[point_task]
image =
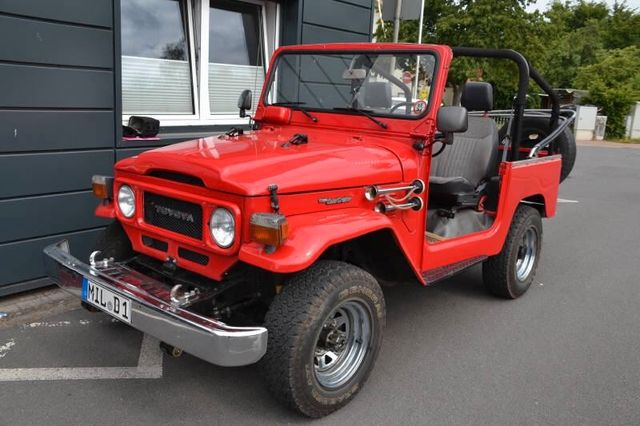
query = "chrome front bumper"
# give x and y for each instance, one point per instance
(203, 337)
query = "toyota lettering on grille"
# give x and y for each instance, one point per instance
(177, 214)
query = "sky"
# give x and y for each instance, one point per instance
(542, 4)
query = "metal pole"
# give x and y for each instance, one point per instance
(396, 20)
(421, 22)
(417, 80)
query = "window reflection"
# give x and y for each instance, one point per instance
(156, 75)
(154, 29)
(235, 53)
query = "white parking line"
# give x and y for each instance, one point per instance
(4, 349)
(46, 324)
(149, 367)
(563, 200)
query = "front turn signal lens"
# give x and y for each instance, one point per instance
(270, 229)
(102, 186)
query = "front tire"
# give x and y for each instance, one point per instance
(509, 274)
(113, 242)
(325, 331)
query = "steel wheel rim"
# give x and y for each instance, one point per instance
(342, 344)
(527, 252)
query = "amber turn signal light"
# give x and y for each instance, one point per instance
(271, 229)
(102, 187)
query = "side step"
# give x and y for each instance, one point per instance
(446, 271)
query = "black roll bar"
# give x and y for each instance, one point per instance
(553, 96)
(525, 71)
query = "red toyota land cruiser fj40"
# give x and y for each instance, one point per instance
(269, 245)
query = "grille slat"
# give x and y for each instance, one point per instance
(178, 216)
(193, 256)
(153, 243)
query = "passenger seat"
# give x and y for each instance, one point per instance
(459, 174)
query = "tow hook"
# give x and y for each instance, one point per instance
(170, 350)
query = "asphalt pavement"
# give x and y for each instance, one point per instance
(567, 353)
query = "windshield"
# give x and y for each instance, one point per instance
(378, 83)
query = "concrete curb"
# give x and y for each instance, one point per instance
(607, 144)
(35, 305)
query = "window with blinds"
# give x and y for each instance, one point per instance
(166, 73)
(156, 71)
(236, 49)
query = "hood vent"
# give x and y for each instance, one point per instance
(177, 177)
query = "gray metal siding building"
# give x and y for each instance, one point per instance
(61, 104)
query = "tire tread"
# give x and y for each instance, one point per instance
(288, 321)
(497, 269)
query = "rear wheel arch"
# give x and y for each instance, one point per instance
(538, 202)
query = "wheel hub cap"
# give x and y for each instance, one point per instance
(527, 252)
(342, 344)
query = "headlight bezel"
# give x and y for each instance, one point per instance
(223, 243)
(132, 195)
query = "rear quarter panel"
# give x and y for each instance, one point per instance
(519, 180)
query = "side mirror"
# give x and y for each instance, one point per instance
(450, 120)
(244, 102)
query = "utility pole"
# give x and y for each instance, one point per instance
(417, 77)
(396, 20)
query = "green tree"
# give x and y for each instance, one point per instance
(613, 84)
(577, 32)
(621, 28)
(570, 51)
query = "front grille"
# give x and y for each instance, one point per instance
(178, 216)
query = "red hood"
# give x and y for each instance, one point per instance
(248, 164)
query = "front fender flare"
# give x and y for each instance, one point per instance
(313, 233)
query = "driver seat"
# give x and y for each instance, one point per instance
(460, 174)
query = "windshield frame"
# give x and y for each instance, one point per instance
(355, 51)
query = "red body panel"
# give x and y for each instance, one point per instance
(248, 164)
(344, 154)
(520, 180)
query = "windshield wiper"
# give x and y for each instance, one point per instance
(362, 112)
(295, 106)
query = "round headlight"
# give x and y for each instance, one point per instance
(126, 201)
(223, 227)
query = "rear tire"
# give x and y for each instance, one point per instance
(509, 274)
(325, 330)
(534, 129)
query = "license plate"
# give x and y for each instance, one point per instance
(106, 300)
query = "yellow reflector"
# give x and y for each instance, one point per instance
(269, 228)
(102, 186)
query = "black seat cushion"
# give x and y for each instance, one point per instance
(455, 184)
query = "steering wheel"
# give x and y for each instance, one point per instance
(396, 106)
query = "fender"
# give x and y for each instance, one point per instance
(106, 211)
(535, 177)
(313, 233)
